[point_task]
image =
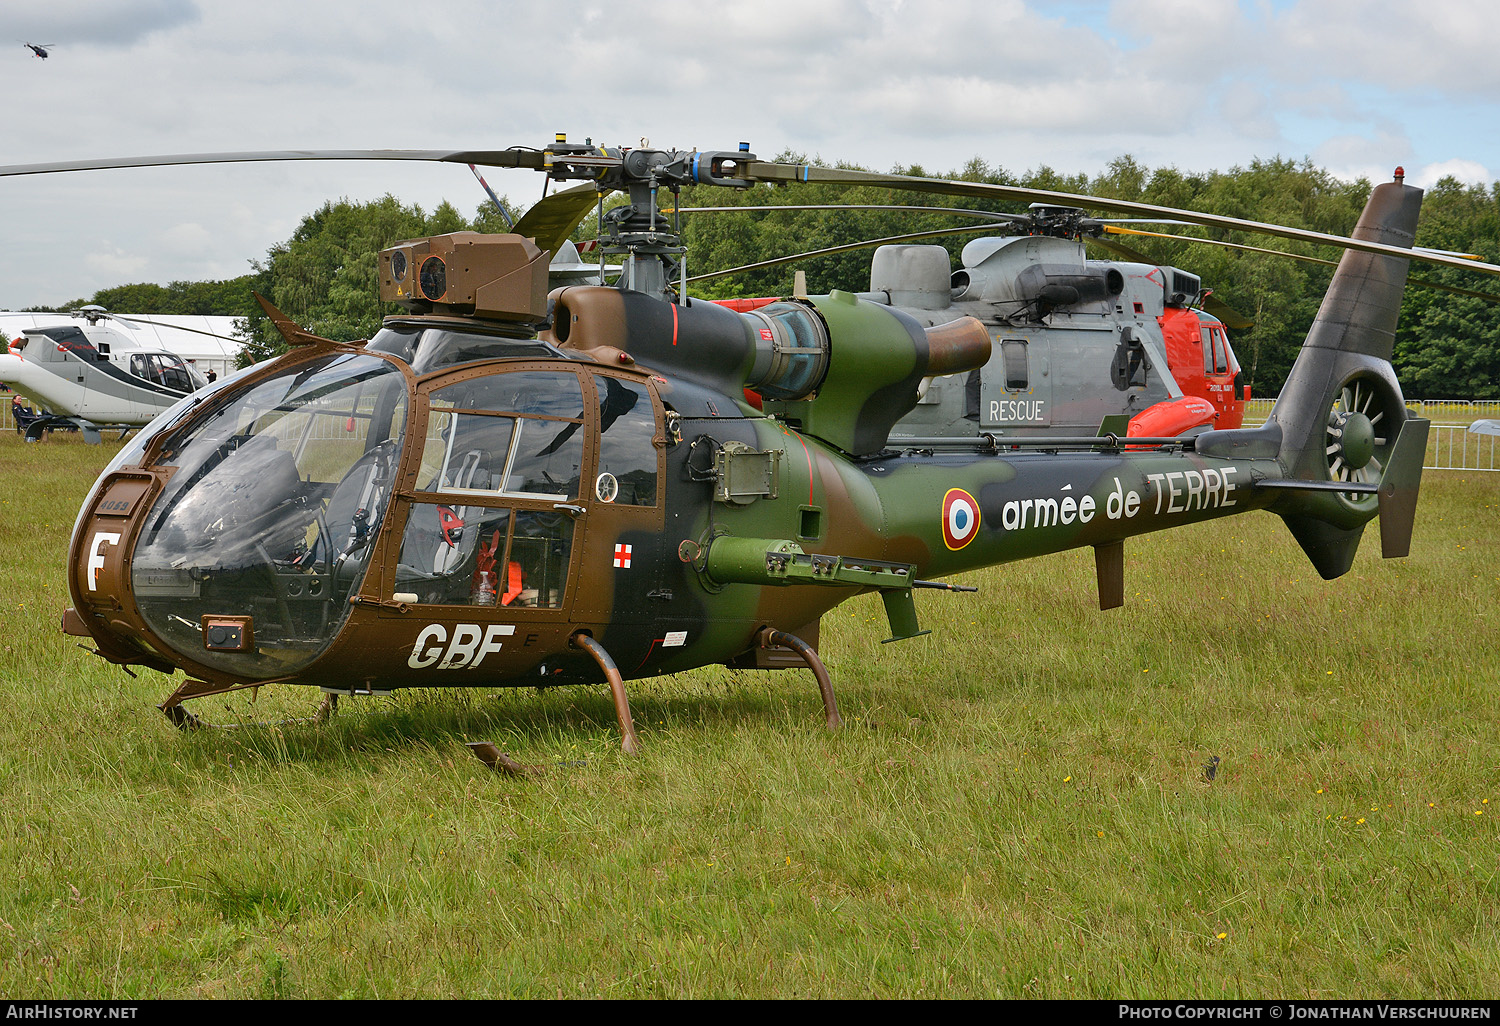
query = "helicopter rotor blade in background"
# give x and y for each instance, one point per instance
(790, 173)
(936, 233)
(175, 327)
(1232, 318)
(988, 215)
(1411, 280)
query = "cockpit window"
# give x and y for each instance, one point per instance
(516, 435)
(502, 451)
(277, 497)
(163, 369)
(627, 452)
(453, 554)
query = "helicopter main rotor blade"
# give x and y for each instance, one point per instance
(515, 157)
(789, 173)
(175, 327)
(848, 247)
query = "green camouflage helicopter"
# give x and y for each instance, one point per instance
(503, 488)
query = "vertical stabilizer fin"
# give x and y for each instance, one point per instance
(1398, 489)
(1330, 548)
(1341, 413)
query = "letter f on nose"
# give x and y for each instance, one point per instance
(96, 556)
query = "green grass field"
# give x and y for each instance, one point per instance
(1014, 810)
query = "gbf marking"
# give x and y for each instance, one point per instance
(960, 518)
(466, 651)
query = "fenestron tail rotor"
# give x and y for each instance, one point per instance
(1361, 432)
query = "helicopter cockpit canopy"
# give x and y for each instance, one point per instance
(276, 498)
(281, 492)
(166, 369)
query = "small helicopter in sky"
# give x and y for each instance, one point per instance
(43, 50)
(509, 488)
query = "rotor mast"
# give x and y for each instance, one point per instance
(652, 246)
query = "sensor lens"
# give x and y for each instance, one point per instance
(434, 278)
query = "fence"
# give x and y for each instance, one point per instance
(1439, 411)
(1454, 447)
(1450, 445)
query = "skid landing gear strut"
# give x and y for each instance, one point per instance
(769, 637)
(180, 718)
(629, 743)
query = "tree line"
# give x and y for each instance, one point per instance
(1448, 346)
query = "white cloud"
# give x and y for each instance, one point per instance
(1247, 111)
(77, 26)
(1198, 84)
(1359, 156)
(187, 240)
(115, 264)
(1466, 171)
(1447, 45)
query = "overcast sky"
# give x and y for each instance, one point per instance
(1358, 86)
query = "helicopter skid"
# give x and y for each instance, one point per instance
(498, 761)
(182, 719)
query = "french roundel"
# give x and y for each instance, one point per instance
(960, 518)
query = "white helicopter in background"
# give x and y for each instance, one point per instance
(121, 374)
(88, 374)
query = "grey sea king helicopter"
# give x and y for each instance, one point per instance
(721, 534)
(1078, 342)
(1075, 340)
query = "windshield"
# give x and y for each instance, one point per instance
(270, 515)
(427, 349)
